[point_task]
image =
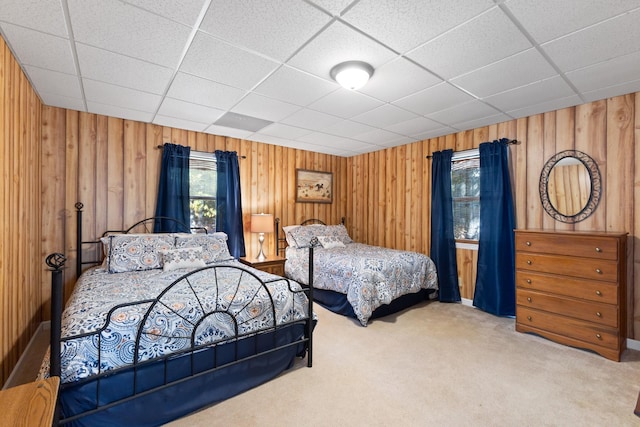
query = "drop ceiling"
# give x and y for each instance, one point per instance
(441, 66)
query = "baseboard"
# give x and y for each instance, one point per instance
(633, 344)
(24, 363)
(467, 302)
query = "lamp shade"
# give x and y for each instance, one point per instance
(261, 223)
(352, 75)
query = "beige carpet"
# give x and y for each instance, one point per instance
(437, 365)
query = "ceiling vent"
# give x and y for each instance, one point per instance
(240, 121)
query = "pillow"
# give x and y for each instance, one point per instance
(329, 242)
(136, 252)
(173, 259)
(300, 237)
(214, 246)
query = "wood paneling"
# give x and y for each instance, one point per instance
(607, 130)
(112, 166)
(21, 264)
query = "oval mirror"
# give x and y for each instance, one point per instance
(570, 186)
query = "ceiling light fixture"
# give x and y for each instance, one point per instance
(352, 75)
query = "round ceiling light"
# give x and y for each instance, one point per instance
(352, 75)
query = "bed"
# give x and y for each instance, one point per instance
(357, 280)
(169, 323)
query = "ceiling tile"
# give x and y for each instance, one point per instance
(204, 92)
(183, 11)
(468, 111)
(486, 39)
(310, 119)
(284, 131)
(345, 103)
(108, 67)
(248, 26)
(128, 30)
(532, 94)
(614, 72)
(509, 73)
(264, 108)
(179, 123)
(294, 86)
(339, 43)
(62, 101)
(593, 44)
(333, 7)
(41, 15)
(119, 96)
(545, 20)
(405, 24)
(397, 79)
(551, 105)
(348, 128)
(435, 98)
(39, 49)
(220, 62)
(55, 83)
(384, 116)
(183, 110)
(414, 127)
(381, 137)
(611, 91)
(480, 122)
(120, 112)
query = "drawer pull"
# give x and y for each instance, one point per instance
(529, 261)
(598, 250)
(529, 318)
(528, 243)
(599, 293)
(598, 271)
(529, 281)
(598, 314)
(529, 299)
(599, 336)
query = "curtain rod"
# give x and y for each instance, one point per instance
(510, 142)
(160, 147)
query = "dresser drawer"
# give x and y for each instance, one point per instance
(595, 269)
(573, 328)
(604, 314)
(574, 245)
(604, 292)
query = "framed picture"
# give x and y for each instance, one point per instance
(314, 186)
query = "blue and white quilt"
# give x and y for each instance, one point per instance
(370, 276)
(173, 322)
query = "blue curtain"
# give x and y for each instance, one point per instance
(495, 282)
(229, 201)
(173, 190)
(443, 244)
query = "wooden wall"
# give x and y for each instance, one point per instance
(51, 158)
(390, 189)
(21, 268)
(112, 166)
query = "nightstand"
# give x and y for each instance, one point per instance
(273, 264)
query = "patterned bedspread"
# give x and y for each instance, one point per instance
(370, 276)
(169, 326)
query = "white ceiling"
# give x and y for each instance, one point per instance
(441, 66)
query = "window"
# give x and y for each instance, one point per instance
(202, 190)
(465, 189)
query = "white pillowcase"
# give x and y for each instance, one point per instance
(329, 242)
(182, 258)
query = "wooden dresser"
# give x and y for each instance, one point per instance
(571, 288)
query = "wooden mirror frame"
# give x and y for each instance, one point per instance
(594, 196)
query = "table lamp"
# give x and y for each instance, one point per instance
(261, 223)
